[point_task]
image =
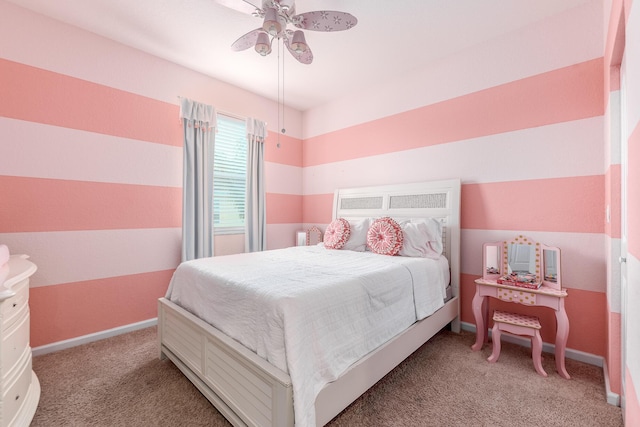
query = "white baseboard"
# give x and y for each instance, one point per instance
(612, 398)
(578, 355)
(581, 356)
(592, 359)
(85, 339)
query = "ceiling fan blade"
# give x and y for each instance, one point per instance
(325, 20)
(243, 6)
(246, 41)
(304, 57)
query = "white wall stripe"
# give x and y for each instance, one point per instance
(281, 235)
(564, 39)
(283, 179)
(73, 256)
(45, 151)
(583, 254)
(103, 158)
(534, 153)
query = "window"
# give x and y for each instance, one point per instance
(229, 175)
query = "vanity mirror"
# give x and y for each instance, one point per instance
(551, 267)
(522, 262)
(491, 260)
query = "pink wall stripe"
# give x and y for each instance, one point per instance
(633, 197)
(317, 208)
(561, 204)
(570, 93)
(587, 333)
(289, 153)
(37, 95)
(283, 208)
(38, 204)
(74, 309)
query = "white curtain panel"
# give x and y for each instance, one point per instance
(255, 212)
(199, 122)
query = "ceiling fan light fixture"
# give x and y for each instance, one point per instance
(272, 22)
(286, 5)
(298, 42)
(263, 47)
(276, 15)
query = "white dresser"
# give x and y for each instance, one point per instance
(19, 386)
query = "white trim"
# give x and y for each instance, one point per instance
(85, 339)
(580, 356)
(612, 398)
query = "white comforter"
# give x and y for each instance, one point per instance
(310, 311)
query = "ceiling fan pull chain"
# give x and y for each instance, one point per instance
(278, 62)
(283, 129)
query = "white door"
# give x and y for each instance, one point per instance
(624, 140)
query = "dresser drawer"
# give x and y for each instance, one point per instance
(521, 297)
(15, 341)
(11, 309)
(16, 391)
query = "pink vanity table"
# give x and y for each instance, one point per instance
(543, 296)
(500, 258)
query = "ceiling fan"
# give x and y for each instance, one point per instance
(276, 15)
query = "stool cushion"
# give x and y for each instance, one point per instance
(516, 319)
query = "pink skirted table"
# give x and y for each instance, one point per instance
(541, 297)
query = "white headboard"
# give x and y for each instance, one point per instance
(434, 199)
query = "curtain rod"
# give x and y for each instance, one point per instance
(224, 113)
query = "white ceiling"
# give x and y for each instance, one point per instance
(391, 38)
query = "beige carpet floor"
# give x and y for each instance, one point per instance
(120, 381)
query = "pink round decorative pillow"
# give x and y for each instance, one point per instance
(337, 234)
(385, 236)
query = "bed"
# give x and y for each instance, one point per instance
(255, 383)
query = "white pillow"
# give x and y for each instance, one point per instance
(358, 240)
(422, 238)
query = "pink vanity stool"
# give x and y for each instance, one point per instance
(518, 324)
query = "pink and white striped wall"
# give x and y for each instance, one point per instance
(90, 156)
(91, 172)
(526, 140)
(539, 174)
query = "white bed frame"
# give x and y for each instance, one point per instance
(248, 390)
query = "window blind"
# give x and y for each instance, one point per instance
(229, 175)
